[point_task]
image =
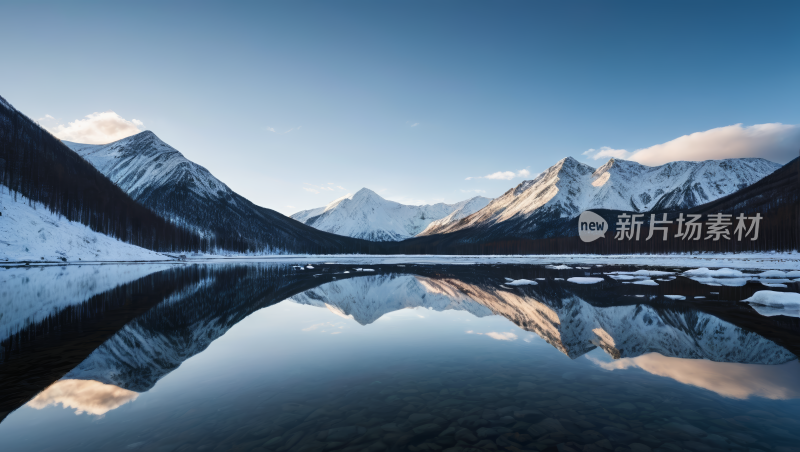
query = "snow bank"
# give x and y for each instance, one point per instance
(585, 280)
(720, 273)
(522, 282)
(676, 297)
(559, 267)
(32, 233)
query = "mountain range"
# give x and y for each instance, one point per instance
(562, 192)
(366, 215)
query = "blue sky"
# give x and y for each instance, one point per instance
(406, 98)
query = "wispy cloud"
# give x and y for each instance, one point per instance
(415, 124)
(316, 189)
(503, 175)
(96, 128)
(473, 191)
(273, 130)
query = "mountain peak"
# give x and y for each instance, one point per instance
(366, 193)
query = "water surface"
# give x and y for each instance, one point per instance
(415, 357)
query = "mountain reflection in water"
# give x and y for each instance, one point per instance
(115, 347)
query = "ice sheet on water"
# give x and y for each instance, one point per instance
(585, 280)
(719, 273)
(646, 282)
(728, 282)
(770, 303)
(777, 286)
(644, 273)
(522, 282)
(772, 274)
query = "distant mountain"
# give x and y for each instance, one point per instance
(366, 215)
(158, 176)
(538, 207)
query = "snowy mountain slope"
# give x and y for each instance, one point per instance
(142, 163)
(158, 176)
(366, 215)
(30, 232)
(366, 299)
(469, 207)
(570, 187)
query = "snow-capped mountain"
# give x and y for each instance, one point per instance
(569, 187)
(158, 176)
(366, 215)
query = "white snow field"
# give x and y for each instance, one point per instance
(30, 232)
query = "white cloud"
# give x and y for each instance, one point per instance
(502, 336)
(734, 380)
(607, 152)
(415, 124)
(97, 128)
(84, 396)
(473, 191)
(503, 175)
(309, 189)
(499, 336)
(777, 142)
(271, 129)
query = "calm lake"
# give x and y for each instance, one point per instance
(330, 357)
